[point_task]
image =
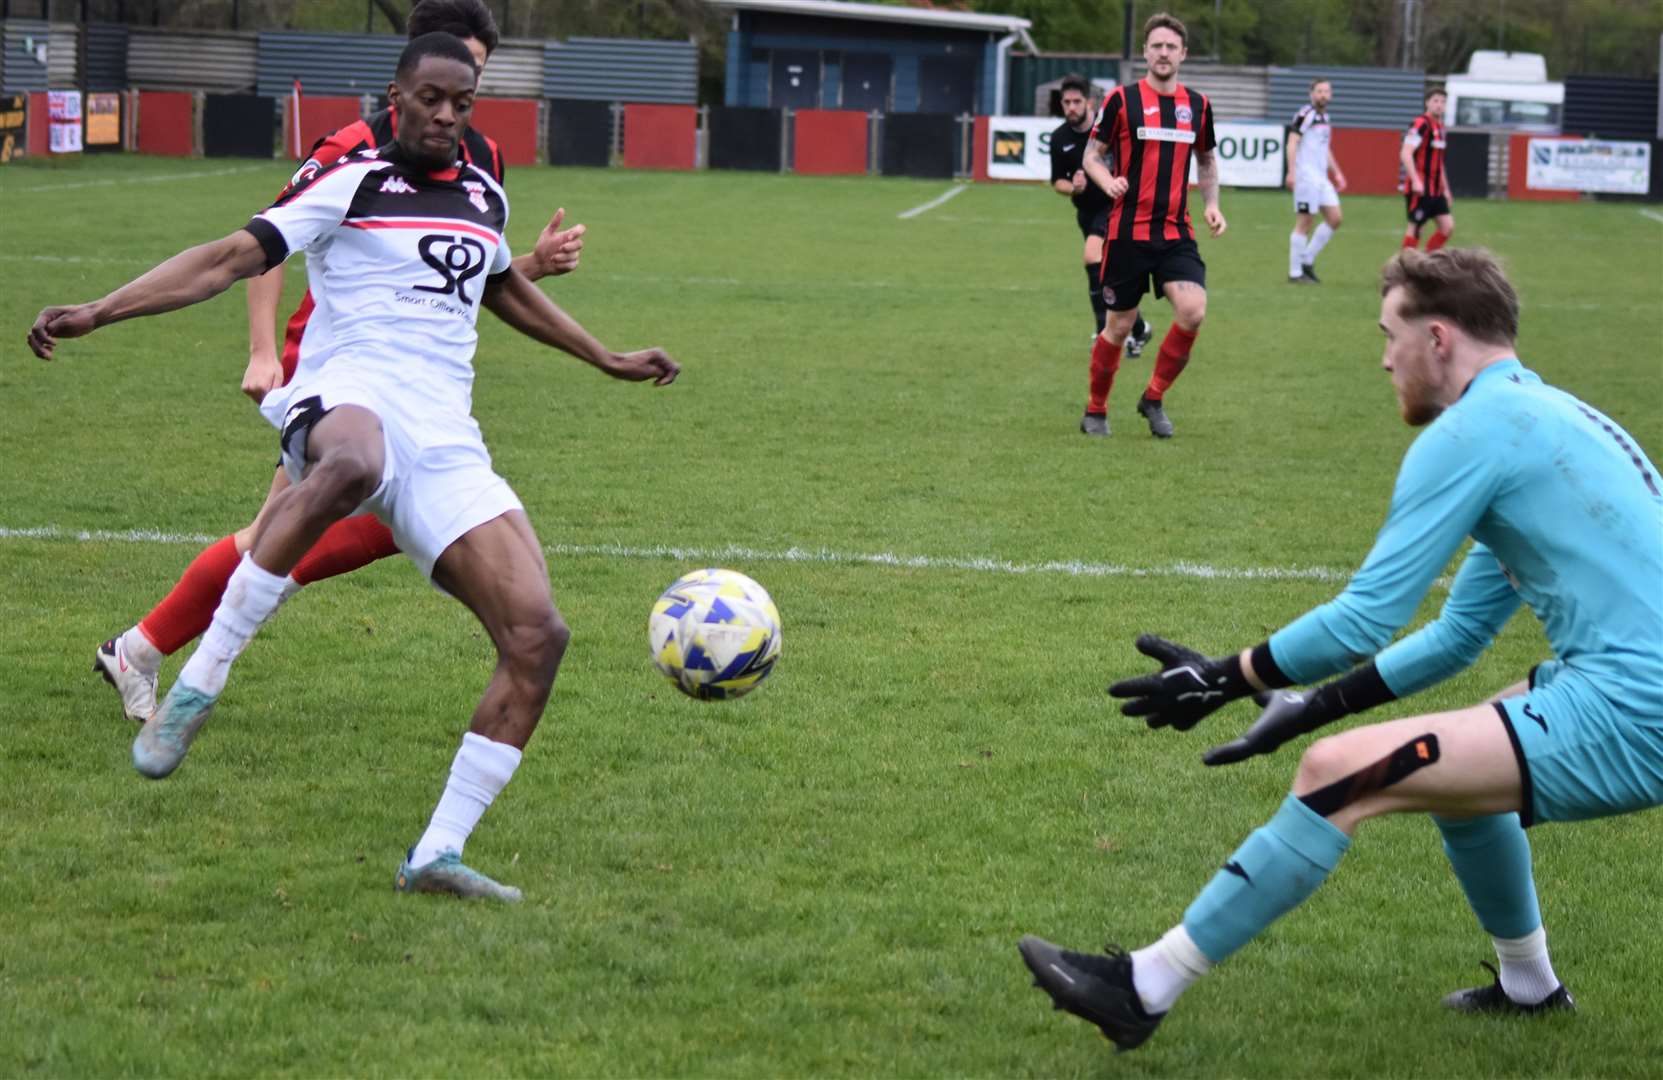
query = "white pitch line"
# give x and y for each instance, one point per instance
(739, 553)
(1653, 214)
(924, 208)
(162, 179)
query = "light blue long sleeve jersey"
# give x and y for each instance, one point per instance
(1566, 511)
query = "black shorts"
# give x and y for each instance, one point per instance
(1423, 208)
(1092, 222)
(1129, 264)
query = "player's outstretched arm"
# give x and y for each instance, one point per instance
(525, 307)
(190, 277)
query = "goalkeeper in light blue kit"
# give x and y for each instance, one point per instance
(1566, 513)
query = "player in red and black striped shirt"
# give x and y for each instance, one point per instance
(130, 660)
(1150, 129)
(1422, 156)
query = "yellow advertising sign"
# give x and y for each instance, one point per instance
(103, 119)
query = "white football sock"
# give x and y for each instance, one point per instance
(481, 770)
(1296, 252)
(1319, 240)
(1162, 971)
(140, 652)
(1526, 973)
(250, 597)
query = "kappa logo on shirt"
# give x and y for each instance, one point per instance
(476, 195)
(1151, 110)
(397, 185)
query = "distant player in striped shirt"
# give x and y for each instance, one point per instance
(1150, 129)
(1422, 155)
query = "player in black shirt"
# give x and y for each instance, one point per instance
(1091, 206)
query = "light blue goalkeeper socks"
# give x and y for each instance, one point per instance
(1491, 858)
(1273, 872)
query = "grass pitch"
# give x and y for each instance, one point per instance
(877, 419)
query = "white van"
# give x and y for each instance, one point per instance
(1505, 90)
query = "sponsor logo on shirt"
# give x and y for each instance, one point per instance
(1166, 134)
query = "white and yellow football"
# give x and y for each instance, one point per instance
(715, 634)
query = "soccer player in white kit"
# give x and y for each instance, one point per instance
(1310, 164)
(405, 244)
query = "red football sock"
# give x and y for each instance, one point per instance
(1438, 240)
(1169, 363)
(189, 608)
(344, 547)
(1105, 361)
(1410, 240)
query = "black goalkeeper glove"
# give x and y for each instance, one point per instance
(1290, 714)
(1188, 687)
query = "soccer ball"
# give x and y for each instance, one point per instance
(714, 634)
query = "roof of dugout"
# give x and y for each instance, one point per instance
(835, 9)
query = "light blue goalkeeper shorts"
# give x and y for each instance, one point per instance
(1580, 756)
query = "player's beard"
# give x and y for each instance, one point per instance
(1418, 402)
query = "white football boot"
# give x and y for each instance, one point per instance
(136, 685)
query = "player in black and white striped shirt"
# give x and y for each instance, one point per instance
(1310, 165)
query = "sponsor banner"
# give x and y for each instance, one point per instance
(1019, 147)
(1249, 154)
(1618, 168)
(14, 113)
(63, 110)
(103, 119)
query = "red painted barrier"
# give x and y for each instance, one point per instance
(1518, 170)
(829, 142)
(1368, 157)
(167, 123)
(319, 116)
(978, 149)
(660, 136)
(38, 142)
(512, 123)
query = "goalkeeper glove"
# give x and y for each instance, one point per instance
(1187, 688)
(1290, 714)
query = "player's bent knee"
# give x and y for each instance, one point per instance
(1323, 762)
(341, 481)
(534, 646)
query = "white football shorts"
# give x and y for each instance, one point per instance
(437, 482)
(1310, 194)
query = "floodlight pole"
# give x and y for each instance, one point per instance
(1129, 7)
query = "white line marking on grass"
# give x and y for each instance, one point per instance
(738, 553)
(162, 179)
(924, 208)
(1653, 214)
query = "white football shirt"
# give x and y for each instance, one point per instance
(1315, 136)
(397, 259)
